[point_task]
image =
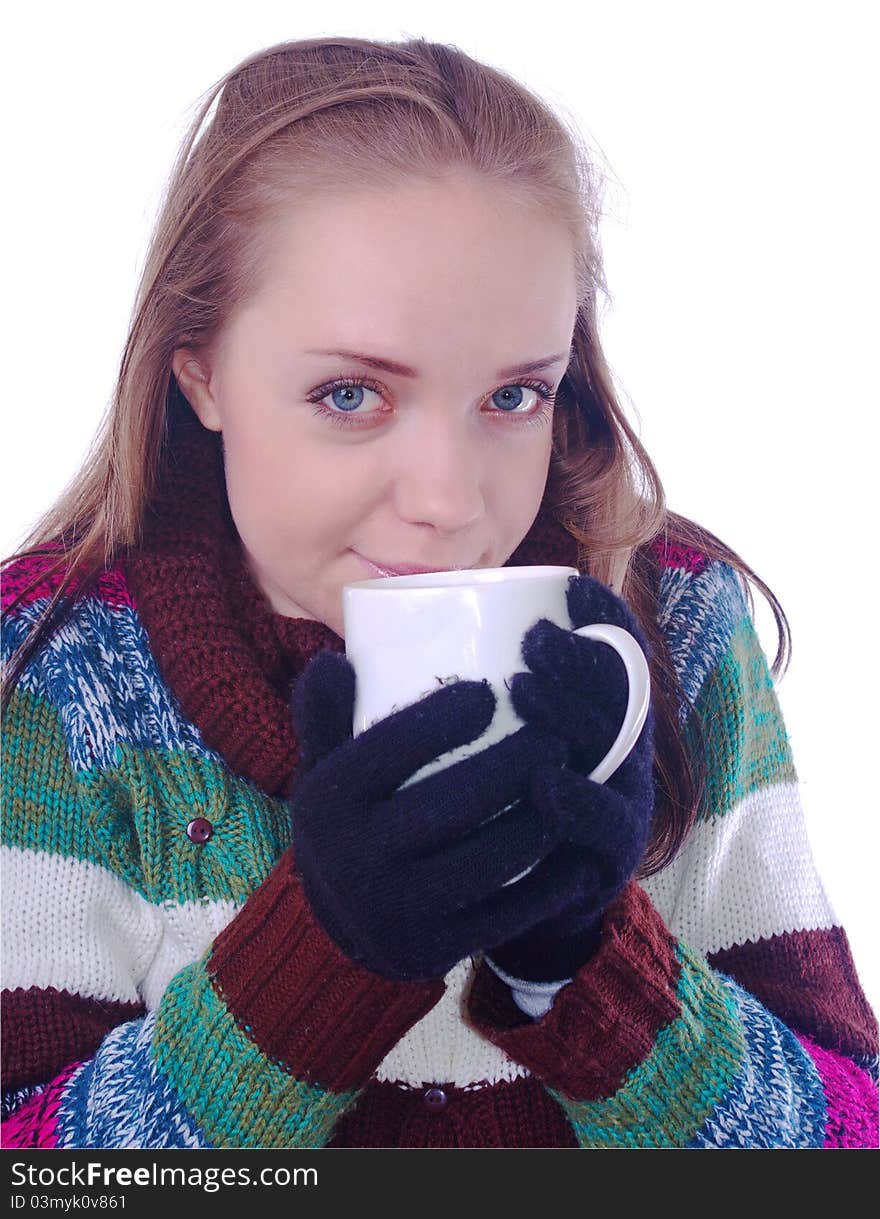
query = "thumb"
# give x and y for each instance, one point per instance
(323, 706)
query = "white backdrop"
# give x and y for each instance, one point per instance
(740, 252)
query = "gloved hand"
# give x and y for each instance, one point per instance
(408, 882)
(577, 689)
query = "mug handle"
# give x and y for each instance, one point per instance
(638, 698)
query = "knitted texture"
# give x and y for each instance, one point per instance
(304, 986)
(35, 1123)
(184, 995)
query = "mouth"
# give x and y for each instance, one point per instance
(405, 569)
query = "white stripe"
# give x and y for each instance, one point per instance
(73, 925)
(188, 931)
(744, 876)
(442, 1048)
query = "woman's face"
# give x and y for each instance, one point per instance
(434, 452)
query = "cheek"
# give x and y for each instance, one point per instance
(257, 480)
(519, 478)
(531, 489)
(512, 497)
(265, 488)
(291, 489)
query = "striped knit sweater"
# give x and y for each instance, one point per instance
(166, 984)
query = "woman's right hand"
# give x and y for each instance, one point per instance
(408, 882)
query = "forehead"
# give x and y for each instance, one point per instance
(425, 260)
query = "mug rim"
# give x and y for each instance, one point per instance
(470, 577)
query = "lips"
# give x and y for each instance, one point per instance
(402, 569)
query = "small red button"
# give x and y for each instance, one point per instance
(200, 830)
(436, 1098)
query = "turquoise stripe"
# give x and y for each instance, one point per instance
(746, 745)
(132, 819)
(41, 801)
(140, 811)
(238, 1096)
(668, 1097)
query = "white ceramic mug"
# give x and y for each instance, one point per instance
(406, 636)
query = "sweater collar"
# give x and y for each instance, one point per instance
(228, 656)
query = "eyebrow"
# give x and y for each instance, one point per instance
(404, 370)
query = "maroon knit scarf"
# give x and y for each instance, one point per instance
(228, 656)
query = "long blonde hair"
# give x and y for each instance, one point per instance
(302, 118)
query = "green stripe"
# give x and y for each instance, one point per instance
(131, 819)
(666, 1099)
(41, 806)
(746, 744)
(237, 1096)
(140, 811)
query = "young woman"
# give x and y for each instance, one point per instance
(366, 340)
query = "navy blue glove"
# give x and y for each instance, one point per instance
(576, 689)
(408, 882)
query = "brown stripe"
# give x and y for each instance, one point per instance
(808, 979)
(518, 1113)
(606, 1020)
(46, 1029)
(301, 999)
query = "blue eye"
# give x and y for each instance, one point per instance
(346, 395)
(515, 397)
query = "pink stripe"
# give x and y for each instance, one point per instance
(35, 1124)
(111, 587)
(850, 1098)
(672, 554)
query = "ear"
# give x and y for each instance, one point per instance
(194, 378)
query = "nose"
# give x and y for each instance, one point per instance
(439, 477)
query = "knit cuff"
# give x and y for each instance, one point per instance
(304, 1003)
(605, 1021)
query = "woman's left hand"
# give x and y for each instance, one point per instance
(576, 688)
